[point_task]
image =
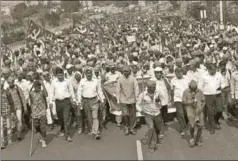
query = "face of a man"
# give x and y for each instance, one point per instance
(179, 74)
(158, 75)
(47, 77)
(126, 73)
(11, 83)
(20, 76)
(113, 70)
(89, 75)
(70, 70)
(151, 89)
(60, 76)
(212, 70)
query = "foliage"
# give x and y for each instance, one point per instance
(70, 6)
(13, 37)
(18, 12)
(194, 10)
(175, 4)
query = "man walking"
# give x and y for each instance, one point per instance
(64, 98)
(127, 93)
(210, 84)
(194, 102)
(89, 96)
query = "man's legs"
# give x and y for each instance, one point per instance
(218, 110)
(181, 117)
(59, 109)
(19, 123)
(67, 113)
(125, 117)
(164, 113)
(95, 125)
(150, 137)
(159, 127)
(210, 103)
(132, 118)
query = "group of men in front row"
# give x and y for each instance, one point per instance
(202, 94)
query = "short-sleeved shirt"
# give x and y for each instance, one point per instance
(38, 104)
(179, 85)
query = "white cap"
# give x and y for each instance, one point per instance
(68, 66)
(158, 69)
(162, 60)
(224, 48)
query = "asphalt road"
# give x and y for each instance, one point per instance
(220, 146)
(114, 145)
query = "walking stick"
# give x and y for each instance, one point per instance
(32, 136)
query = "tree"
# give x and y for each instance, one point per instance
(70, 6)
(175, 4)
(18, 13)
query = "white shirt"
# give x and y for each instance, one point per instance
(179, 85)
(89, 89)
(225, 80)
(210, 83)
(191, 75)
(161, 91)
(48, 87)
(62, 90)
(6, 85)
(24, 85)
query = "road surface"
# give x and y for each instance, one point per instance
(116, 146)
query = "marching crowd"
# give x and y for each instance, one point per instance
(193, 68)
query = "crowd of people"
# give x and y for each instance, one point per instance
(191, 66)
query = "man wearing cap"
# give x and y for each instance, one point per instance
(178, 84)
(149, 104)
(18, 104)
(127, 92)
(89, 95)
(210, 83)
(163, 89)
(64, 99)
(194, 102)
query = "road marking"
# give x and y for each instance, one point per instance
(139, 150)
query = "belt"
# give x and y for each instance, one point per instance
(62, 99)
(86, 98)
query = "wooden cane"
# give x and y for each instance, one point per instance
(32, 136)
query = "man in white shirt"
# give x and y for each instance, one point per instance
(163, 89)
(210, 83)
(64, 98)
(193, 73)
(24, 85)
(179, 83)
(89, 96)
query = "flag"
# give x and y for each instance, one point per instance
(80, 30)
(34, 31)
